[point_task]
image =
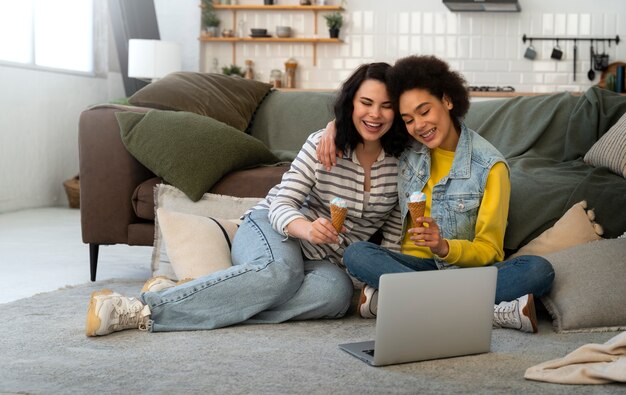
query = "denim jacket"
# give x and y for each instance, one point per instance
(456, 198)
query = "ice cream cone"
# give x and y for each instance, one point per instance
(337, 216)
(417, 210)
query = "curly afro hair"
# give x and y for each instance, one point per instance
(434, 75)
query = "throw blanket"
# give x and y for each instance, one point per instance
(190, 151)
(544, 139)
(589, 364)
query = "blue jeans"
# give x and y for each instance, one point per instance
(269, 282)
(526, 274)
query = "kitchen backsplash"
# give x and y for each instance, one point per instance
(486, 47)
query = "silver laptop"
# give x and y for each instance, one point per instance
(430, 315)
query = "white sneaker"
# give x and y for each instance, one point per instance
(518, 314)
(159, 283)
(111, 312)
(368, 302)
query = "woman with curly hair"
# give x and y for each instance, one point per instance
(466, 184)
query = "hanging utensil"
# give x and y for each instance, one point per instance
(591, 74)
(601, 60)
(575, 51)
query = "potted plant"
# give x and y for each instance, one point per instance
(232, 70)
(210, 20)
(334, 21)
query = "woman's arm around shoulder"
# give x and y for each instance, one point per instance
(295, 187)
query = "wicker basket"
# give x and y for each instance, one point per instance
(72, 189)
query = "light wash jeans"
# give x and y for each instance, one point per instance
(269, 282)
(526, 274)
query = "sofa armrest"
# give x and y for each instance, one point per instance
(109, 175)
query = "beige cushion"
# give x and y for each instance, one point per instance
(231, 100)
(196, 245)
(589, 289)
(174, 200)
(610, 150)
(575, 227)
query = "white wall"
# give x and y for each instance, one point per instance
(39, 133)
(486, 47)
(40, 110)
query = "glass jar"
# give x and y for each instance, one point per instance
(276, 78)
(290, 73)
(249, 74)
(214, 69)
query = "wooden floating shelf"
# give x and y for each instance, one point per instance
(278, 7)
(285, 40)
(273, 39)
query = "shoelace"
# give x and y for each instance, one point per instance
(505, 314)
(129, 313)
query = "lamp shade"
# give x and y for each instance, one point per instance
(152, 59)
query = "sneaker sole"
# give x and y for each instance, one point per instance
(529, 311)
(147, 287)
(151, 282)
(93, 322)
(364, 313)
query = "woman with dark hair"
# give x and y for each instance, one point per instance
(466, 185)
(287, 254)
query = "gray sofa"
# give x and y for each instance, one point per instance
(543, 137)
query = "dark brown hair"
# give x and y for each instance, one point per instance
(394, 141)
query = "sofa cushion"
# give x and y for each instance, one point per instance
(588, 293)
(576, 227)
(189, 151)
(210, 205)
(254, 182)
(231, 100)
(610, 150)
(143, 198)
(196, 245)
(285, 119)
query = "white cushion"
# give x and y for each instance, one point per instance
(210, 205)
(610, 150)
(196, 245)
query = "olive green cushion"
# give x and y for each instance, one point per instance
(231, 100)
(190, 151)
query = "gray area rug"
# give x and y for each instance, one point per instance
(44, 350)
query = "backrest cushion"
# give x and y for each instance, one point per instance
(231, 100)
(285, 119)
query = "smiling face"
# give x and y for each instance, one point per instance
(428, 120)
(373, 113)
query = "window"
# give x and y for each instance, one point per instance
(50, 34)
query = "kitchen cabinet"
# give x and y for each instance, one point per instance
(314, 40)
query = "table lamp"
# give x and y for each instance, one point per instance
(152, 59)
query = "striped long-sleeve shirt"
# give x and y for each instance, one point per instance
(307, 188)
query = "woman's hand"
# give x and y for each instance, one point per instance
(326, 150)
(430, 237)
(320, 231)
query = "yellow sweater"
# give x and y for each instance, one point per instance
(488, 244)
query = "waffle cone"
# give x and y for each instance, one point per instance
(337, 216)
(417, 210)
